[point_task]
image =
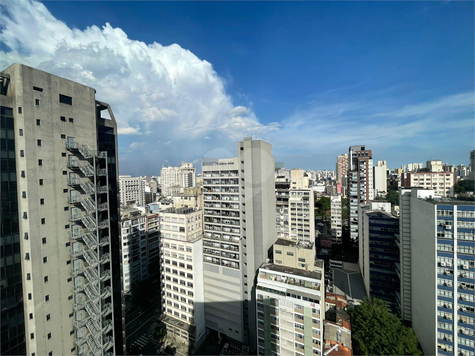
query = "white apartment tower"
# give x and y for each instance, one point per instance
(302, 215)
(182, 275)
(175, 179)
(380, 178)
(336, 219)
(132, 190)
(63, 160)
(239, 229)
(360, 183)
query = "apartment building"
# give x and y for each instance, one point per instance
(441, 182)
(336, 219)
(282, 189)
(299, 179)
(341, 168)
(290, 310)
(152, 227)
(441, 250)
(380, 178)
(295, 254)
(61, 173)
(239, 229)
(174, 179)
(360, 183)
(182, 276)
(132, 190)
(378, 252)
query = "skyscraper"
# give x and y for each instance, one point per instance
(132, 190)
(360, 183)
(380, 178)
(64, 155)
(341, 167)
(239, 215)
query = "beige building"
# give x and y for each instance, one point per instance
(441, 182)
(341, 168)
(67, 188)
(298, 179)
(295, 254)
(182, 276)
(174, 179)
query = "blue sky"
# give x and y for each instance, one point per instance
(312, 78)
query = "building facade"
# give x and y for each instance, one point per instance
(380, 178)
(174, 179)
(336, 219)
(239, 229)
(132, 190)
(360, 184)
(182, 275)
(66, 188)
(341, 168)
(441, 182)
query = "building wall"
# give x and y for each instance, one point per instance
(295, 255)
(336, 219)
(380, 178)
(132, 189)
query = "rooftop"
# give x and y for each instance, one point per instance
(335, 333)
(130, 213)
(347, 280)
(293, 271)
(449, 201)
(293, 243)
(182, 211)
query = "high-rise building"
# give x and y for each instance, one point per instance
(442, 182)
(282, 189)
(132, 190)
(435, 166)
(341, 167)
(239, 216)
(291, 303)
(380, 178)
(182, 276)
(175, 179)
(378, 252)
(360, 183)
(336, 219)
(472, 165)
(298, 179)
(442, 271)
(67, 282)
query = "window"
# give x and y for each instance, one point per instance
(63, 118)
(70, 279)
(27, 256)
(41, 181)
(65, 99)
(43, 240)
(45, 259)
(20, 132)
(63, 154)
(49, 335)
(40, 161)
(19, 110)
(65, 190)
(68, 262)
(70, 297)
(63, 136)
(66, 208)
(66, 227)
(22, 153)
(46, 298)
(32, 336)
(37, 102)
(25, 236)
(48, 317)
(42, 201)
(50, 353)
(43, 221)
(71, 119)
(23, 194)
(71, 315)
(31, 315)
(290, 253)
(278, 252)
(38, 89)
(38, 122)
(46, 279)
(68, 243)
(65, 173)
(72, 350)
(29, 296)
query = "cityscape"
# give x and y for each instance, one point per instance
(151, 205)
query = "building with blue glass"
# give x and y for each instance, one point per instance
(441, 236)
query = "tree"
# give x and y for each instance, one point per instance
(323, 207)
(375, 331)
(344, 209)
(392, 196)
(464, 186)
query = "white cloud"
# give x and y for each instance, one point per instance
(129, 131)
(134, 145)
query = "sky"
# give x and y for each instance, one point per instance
(188, 80)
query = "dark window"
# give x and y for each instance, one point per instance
(66, 208)
(71, 332)
(65, 173)
(71, 315)
(45, 259)
(31, 315)
(29, 296)
(70, 279)
(38, 122)
(22, 153)
(46, 279)
(46, 298)
(50, 353)
(43, 240)
(72, 350)
(68, 244)
(63, 136)
(65, 99)
(48, 316)
(68, 262)
(25, 236)
(32, 336)
(37, 89)
(49, 335)
(41, 181)
(71, 119)
(22, 174)
(19, 109)
(23, 194)
(27, 257)
(66, 227)
(63, 118)
(63, 154)
(43, 221)
(21, 132)
(70, 297)
(40, 162)
(38, 142)
(37, 102)
(42, 201)
(65, 190)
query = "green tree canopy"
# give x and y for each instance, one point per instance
(464, 186)
(375, 331)
(323, 206)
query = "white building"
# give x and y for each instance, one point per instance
(336, 219)
(438, 243)
(302, 215)
(441, 182)
(132, 190)
(239, 229)
(59, 191)
(380, 179)
(182, 275)
(174, 179)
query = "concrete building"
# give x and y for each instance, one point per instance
(295, 254)
(360, 184)
(442, 271)
(336, 219)
(380, 179)
(282, 189)
(298, 179)
(378, 252)
(135, 259)
(441, 182)
(174, 179)
(337, 328)
(290, 310)
(435, 166)
(239, 216)
(341, 168)
(132, 190)
(302, 215)
(182, 276)
(63, 296)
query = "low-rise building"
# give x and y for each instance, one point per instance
(337, 328)
(441, 182)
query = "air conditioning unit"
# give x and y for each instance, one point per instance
(442, 264)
